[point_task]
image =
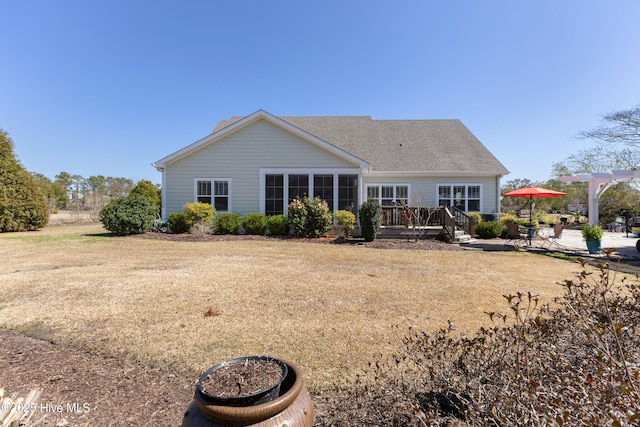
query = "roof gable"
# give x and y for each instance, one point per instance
(226, 128)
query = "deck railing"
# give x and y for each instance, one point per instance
(448, 217)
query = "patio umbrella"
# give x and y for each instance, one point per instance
(531, 191)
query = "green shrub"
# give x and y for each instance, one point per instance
(370, 219)
(529, 224)
(278, 225)
(475, 215)
(310, 217)
(228, 223)
(504, 219)
(134, 214)
(347, 221)
(551, 220)
(488, 229)
(178, 223)
(255, 223)
(198, 211)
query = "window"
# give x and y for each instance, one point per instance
(274, 194)
(348, 192)
(373, 193)
(389, 194)
(214, 192)
(298, 186)
(323, 188)
(221, 196)
(203, 192)
(465, 197)
(340, 191)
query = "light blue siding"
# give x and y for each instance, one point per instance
(239, 157)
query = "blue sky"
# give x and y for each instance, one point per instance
(108, 87)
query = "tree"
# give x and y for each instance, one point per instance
(55, 193)
(118, 187)
(149, 189)
(95, 195)
(621, 127)
(64, 179)
(597, 159)
(620, 200)
(22, 203)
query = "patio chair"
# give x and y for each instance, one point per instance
(514, 237)
(553, 239)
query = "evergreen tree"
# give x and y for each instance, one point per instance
(147, 188)
(22, 203)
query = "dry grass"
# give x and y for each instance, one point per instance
(192, 305)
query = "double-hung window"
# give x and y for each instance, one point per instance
(215, 192)
(465, 197)
(389, 194)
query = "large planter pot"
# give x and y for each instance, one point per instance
(290, 404)
(593, 246)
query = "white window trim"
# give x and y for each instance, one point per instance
(303, 171)
(388, 184)
(459, 184)
(212, 180)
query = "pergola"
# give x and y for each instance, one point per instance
(599, 182)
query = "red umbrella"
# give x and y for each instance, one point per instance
(531, 191)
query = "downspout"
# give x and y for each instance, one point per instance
(163, 193)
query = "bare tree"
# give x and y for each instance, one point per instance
(620, 127)
(417, 216)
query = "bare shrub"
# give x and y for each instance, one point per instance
(201, 228)
(574, 363)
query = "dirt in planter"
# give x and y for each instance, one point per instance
(242, 379)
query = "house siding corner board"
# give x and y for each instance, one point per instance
(240, 158)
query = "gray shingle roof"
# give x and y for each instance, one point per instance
(431, 146)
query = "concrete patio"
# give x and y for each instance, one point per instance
(571, 243)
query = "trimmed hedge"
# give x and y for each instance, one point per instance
(488, 229)
(228, 223)
(255, 223)
(278, 225)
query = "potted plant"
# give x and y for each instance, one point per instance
(531, 228)
(592, 234)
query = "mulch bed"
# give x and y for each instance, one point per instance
(82, 388)
(380, 243)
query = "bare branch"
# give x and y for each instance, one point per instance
(621, 127)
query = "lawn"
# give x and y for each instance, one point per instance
(328, 308)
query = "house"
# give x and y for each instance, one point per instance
(260, 162)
